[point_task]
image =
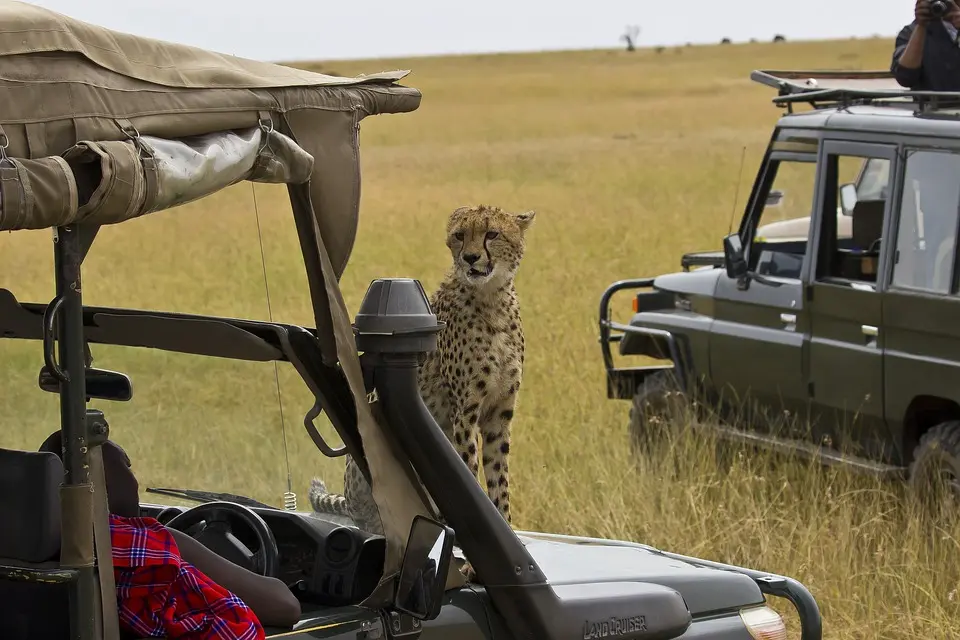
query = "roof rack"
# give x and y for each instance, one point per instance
(827, 89)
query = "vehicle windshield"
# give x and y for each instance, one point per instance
(194, 422)
(790, 197)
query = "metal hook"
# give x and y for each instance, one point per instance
(130, 130)
(266, 126)
(4, 158)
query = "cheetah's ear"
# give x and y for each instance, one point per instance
(525, 219)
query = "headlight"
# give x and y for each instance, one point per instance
(764, 623)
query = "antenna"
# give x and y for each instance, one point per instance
(736, 194)
(289, 498)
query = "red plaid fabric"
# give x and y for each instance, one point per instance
(160, 595)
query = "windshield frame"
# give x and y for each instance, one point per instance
(218, 337)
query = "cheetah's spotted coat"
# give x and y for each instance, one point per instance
(470, 383)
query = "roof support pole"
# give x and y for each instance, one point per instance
(67, 312)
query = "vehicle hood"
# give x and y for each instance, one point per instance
(569, 560)
(701, 282)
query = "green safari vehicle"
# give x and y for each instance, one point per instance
(99, 127)
(833, 304)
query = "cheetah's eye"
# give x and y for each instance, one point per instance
(491, 235)
(459, 236)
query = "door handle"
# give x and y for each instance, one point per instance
(788, 318)
(869, 330)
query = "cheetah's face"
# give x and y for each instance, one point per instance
(487, 243)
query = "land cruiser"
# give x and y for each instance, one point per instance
(850, 331)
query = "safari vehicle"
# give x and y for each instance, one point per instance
(98, 128)
(851, 336)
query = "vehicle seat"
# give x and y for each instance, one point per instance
(867, 223)
(30, 538)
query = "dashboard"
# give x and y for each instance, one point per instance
(321, 561)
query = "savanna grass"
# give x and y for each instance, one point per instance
(629, 160)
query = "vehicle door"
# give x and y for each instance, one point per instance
(844, 303)
(757, 339)
(921, 307)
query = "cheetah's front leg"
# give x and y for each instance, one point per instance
(465, 431)
(496, 452)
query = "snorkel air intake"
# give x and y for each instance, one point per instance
(395, 329)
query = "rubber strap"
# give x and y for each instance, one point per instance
(101, 534)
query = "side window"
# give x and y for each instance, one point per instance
(927, 230)
(780, 242)
(851, 233)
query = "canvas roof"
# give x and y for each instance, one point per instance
(30, 29)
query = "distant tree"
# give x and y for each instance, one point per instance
(725, 41)
(753, 40)
(660, 49)
(779, 38)
(630, 36)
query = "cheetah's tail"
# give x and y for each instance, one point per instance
(324, 502)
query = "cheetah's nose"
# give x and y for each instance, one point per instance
(470, 258)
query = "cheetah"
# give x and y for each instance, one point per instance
(471, 382)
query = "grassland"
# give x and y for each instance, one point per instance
(629, 159)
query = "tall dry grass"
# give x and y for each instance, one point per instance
(630, 160)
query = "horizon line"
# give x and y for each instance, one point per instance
(520, 52)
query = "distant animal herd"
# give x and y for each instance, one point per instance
(632, 34)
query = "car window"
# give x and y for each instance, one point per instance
(927, 229)
(780, 243)
(849, 245)
(874, 180)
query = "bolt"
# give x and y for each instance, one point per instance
(518, 569)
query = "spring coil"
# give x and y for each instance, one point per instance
(290, 501)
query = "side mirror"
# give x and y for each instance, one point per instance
(733, 260)
(100, 384)
(423, 573)
(848, 198)
(774, 198)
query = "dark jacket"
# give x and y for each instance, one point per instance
(940, 69)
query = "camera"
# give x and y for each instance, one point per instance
(939, 8)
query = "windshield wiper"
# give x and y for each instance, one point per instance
(209, 496)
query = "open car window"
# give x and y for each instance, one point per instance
(849, 245)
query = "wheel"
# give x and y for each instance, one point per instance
(215, 525)
(935, 470)
(653, 403)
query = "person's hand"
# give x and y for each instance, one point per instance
(921, 12)
(953, 15)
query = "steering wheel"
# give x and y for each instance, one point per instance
(217, 521)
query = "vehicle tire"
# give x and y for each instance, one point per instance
(653, 405)
(935, 469)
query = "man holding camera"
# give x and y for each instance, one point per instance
(927, 55)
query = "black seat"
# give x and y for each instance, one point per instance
(30, 539)
(867, 223)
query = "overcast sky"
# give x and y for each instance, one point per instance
(330, 29)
